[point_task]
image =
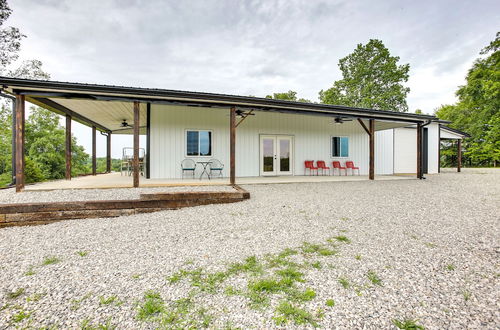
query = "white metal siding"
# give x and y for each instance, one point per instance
(433, 148)
(405, 150)
(311, 139)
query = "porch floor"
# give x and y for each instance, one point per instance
(116, 180)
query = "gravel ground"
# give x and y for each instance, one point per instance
(434, 244)
(9, 195)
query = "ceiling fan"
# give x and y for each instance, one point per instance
(124, 124)
(341, 120)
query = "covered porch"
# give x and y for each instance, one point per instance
(128, 110)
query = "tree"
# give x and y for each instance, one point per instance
(477, 111)
(10, 38)
(30, 69)
(287, 96)
(371, 79)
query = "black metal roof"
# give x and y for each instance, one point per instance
(455, 130)
(71, 89)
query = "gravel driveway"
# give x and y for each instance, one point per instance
(335, 255)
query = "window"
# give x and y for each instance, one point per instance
(340, 146)
(199, 143)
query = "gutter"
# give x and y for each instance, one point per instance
(13, 99)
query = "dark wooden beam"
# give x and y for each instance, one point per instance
(244, 117)
(94, 156)
(56, 107)
(108, 153)
(148, 140)
(439, 148)
(135, 162)
(68, 147)
(20, 111)
(232, 146)
(371, 174)
(459, 155)
(419, 151)
(364, 126)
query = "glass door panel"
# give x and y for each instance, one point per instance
(285, 155)
(268, 153)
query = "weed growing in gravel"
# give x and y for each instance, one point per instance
(20, 316)
(407, 325)
(317, 265)
(75, 303)
(231, 291)
(344, 282)
(87, 325)
(108, 300)
(136, 276)
(50, 261)
(287, 312)
(35, 297)
(450, 267)
(330, 303)
(30, 271)
(341, 238)
(430, 245)
(15, 294)
(319, 249)
(82, 253)
(467, 295)
(151, 307)
(373, 277)
(357, 257)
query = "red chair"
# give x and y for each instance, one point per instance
(309, 164)
(336, 165)
(322, 166)
(350, 164)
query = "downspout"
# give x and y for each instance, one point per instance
(422, 146)
(13, 99)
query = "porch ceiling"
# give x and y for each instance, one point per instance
(106, 106)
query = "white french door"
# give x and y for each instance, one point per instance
(276, 155)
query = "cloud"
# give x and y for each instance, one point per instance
(252, 47)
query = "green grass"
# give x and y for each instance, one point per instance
(309, 248)
(357, 257)
(316, 265)
(103, 300)
(136, 276)
(287, 312)
(373, 277)
(35, 297)
(450, 267)
(82, 253)
(75, 303)
(330, 303)
(306, 295)
(30, 272)
(467, 295)
(87, 325)
(344, 282)
(50, 261)
(341, 238)
(20, 316)
(14, 294)
(152, 306)
(407, 324)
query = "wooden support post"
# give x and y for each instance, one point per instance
(148, 141)
(20, 109)
(135, 162)
(68, 147)
(232, 145)
(94, 160)
(108, 153)
(371, 174)
(459, 155)
(419, 151)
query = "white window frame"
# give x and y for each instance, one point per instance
(331, 147)
(198, 130)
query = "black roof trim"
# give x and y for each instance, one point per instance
(89, 88)
(455, 131)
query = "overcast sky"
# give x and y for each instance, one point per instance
(251, 47)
